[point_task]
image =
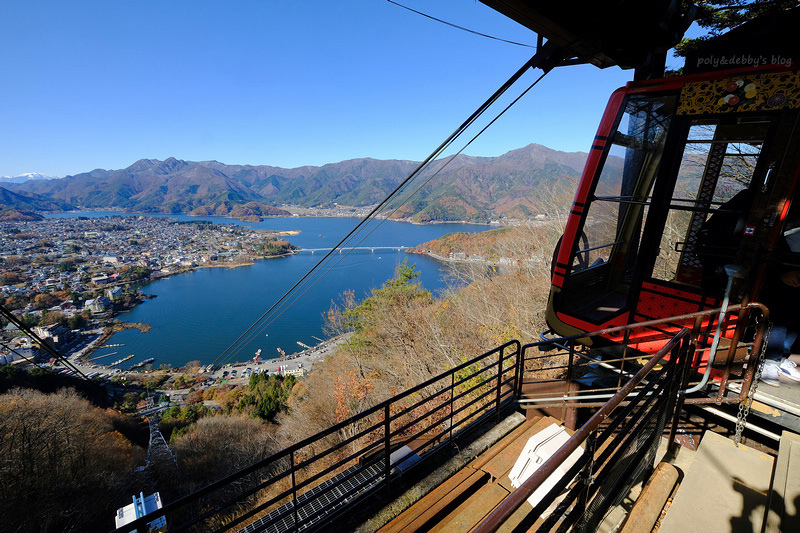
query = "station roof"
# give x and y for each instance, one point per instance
(610, 33)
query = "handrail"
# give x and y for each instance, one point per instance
(676, 321)
(515, 499)
(505, 383)
(648, 323)
(494, 359)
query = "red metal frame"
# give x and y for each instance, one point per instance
(679, 301)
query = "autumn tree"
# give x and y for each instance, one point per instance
(53, 317)
(15, 302)
(64, 466)
(45, 301)
(217, 446)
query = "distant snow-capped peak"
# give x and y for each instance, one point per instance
(27, 176)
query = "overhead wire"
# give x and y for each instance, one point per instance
(49, 349)
(460, 27)
(392, 195)
(443, 146)
(280, 304)
(423, 184)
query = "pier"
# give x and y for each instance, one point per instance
(101, 356)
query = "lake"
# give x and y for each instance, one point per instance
(198, 315)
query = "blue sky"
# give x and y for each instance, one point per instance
(287, 83)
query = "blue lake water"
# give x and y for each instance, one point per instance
(198, 315)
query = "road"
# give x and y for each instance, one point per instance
(304, 360)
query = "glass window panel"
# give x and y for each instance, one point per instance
(607, 251)
(718, 164)
(621, 192)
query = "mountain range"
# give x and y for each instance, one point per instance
(468, 188)
(26, 177)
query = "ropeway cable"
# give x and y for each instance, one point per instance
(399, 189)
(52, 351)
(394, 193)
(460, 27)
(287, 304)
(29, 360)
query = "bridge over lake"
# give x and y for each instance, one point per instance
(346, 249)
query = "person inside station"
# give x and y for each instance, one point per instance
(781, 294)
(718, 241)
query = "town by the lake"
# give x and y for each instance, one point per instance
(80, 279)
(69, 277)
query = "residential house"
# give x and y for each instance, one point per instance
(98, 305)
(114, 293)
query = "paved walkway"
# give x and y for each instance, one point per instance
(724, 490)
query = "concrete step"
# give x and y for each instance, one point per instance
(784, 498)
(724, 489)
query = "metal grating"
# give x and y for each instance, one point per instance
(321, 501)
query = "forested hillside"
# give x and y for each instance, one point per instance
(477, 189)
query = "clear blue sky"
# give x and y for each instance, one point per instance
(102, 84)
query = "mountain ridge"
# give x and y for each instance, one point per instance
(469, 188)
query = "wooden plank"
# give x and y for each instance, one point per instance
(417, 517)
(503, 463)
(503, 460)
(466, 498)
(648, 506)
(486, 456)
(472, 512)
(515, 519)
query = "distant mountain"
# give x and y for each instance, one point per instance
(26, 177)
(468, 188)
(15, 215)
(26, 201)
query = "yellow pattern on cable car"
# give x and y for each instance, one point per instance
(750, 92)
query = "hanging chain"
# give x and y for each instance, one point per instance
(744, 405)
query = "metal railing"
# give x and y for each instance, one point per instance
(596, 372)
(321, 477)
(636, 392)
(619, 443)
(316, 480)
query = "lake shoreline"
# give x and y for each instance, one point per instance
(196, 317)
(302, 212)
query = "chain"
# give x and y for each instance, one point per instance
(744, 405)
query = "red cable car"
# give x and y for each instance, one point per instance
(687, 175)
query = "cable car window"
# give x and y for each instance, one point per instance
(716, 171)
(602, 265)
(621, 193)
